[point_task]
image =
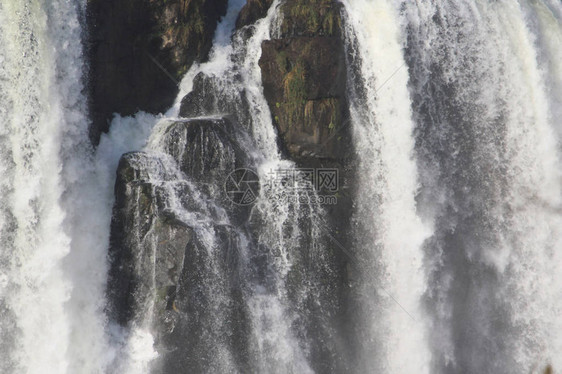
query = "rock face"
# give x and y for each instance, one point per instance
(304, 79)
(304, 82)
(173, 248)
(207, 98)
(140, 223)
(311, 18)
(190, 267)
(139, 50)
(304, 75)
(200, 263)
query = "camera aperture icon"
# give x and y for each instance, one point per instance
(242, 186)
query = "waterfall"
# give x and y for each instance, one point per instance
(53, 223)
(484, 101)
(454, 249)
(485, 88)
(388, 232)
(282, 290)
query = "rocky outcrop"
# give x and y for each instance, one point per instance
(201, 261)
(304, 83)
(141, 222)
(311, 18)
(139, 50)
(304, 75)
(207, 98)
(189, 265)
(304, 79)
(173, 245)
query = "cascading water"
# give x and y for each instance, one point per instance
(388, 233)
(489, 158)
(52, 239)
(455, 111)
(278, 269)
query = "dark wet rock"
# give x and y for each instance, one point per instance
(304, 83)
(208, 151)
(175, 247)
(158, 257)
(208, 99)
(304, 80)
(205, 149)
(147, 244)
(304, 75)
(204, 271)
(209, 311)
(139, 50)
(149, 235)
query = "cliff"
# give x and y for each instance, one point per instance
(173, 251)
(304, 75)
(179, 244)
(304, 78)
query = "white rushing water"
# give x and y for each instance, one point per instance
(456, 118)
(53, 239)
(485, 91)
(234, 67)
(135, 349)
(485, 78)
(388, 232)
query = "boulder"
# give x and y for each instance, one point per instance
(208, 99)
(147, 243)
(165, 273)
(207, 151)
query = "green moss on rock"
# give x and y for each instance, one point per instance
(311, 18)
(294, 83)
(304, 83)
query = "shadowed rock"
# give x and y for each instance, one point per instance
(140, 50)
